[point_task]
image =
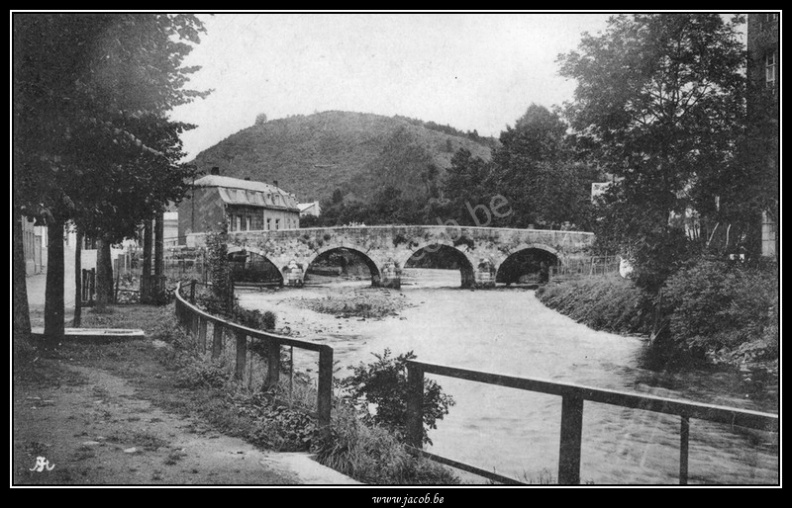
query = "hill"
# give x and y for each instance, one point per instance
(358, 153)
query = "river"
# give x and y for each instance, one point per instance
(514, 432)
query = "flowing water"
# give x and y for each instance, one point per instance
(515, 432)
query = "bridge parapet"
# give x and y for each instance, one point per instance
(388, 248)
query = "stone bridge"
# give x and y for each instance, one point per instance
(480, 252)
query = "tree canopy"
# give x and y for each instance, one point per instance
(659, 105)
(91, 99)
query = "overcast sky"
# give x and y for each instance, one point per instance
(471, 71)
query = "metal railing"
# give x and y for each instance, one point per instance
(572, 397)
(195, 321)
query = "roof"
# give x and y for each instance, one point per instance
(236, 183)
(304, 206)
(234, 191)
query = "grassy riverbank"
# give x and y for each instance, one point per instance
(713, 312)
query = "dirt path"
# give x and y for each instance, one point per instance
(100, 432)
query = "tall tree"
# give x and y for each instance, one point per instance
(661, 98)
(91, 96)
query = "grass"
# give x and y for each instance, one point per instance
(363, 303)
(607, 302)
(279, 419)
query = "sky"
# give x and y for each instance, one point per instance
(471, 71)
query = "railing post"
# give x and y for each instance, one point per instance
(324, 399)
(217, 340)
(273, 364)
(684, 436)
(241, 354)
(571, 431)
(415, 393)
(202, 333)
(192, 291)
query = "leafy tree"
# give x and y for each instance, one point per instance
(537, 174)
(660, 99)
(92, 140)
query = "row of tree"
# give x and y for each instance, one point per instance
(93, 142)
(535, 173)
(660, 112)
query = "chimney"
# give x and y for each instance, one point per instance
(215, 171)
(275, 183)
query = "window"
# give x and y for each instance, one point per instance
(770, 69)
(237, 223)
(277, 224)
(247, 223)
(269, 224)
(768, 21)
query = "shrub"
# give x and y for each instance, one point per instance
(715, 305)
(384, 383)
(372, 454)
(283, 429)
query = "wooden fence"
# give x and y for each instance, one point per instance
(196, 322)
(571, 425)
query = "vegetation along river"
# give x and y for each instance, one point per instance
(515, 432)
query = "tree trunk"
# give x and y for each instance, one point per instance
(159, 260)
(104, 275)
(145, 277)
(53, 303)
(21, 317)
(77, 321)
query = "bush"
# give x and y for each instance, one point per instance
(715, 305)
(384, 383)
(372, 454)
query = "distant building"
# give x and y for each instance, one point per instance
(764, 86)
(310, 209)
(243, 205)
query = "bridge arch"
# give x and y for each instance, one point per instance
(236, 249)
(527, 258)
(466, 264)
(371, 263)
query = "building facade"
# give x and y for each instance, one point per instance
(243, 205)
(763, 114)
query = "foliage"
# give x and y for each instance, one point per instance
(602, 303)
(533, 157)
(92, 93)
(254, 318)
(277, 426)
(92, 139)
(715, 305)
(384, 384)
(660, 105)
(373, 455)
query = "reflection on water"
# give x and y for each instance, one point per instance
(514, 432)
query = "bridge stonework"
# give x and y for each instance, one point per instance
(387, 249)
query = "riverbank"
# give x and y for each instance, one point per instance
(703, 322)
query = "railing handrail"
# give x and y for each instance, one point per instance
(252, 332)
(720, 414)
(196, 320)
(571, 425)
